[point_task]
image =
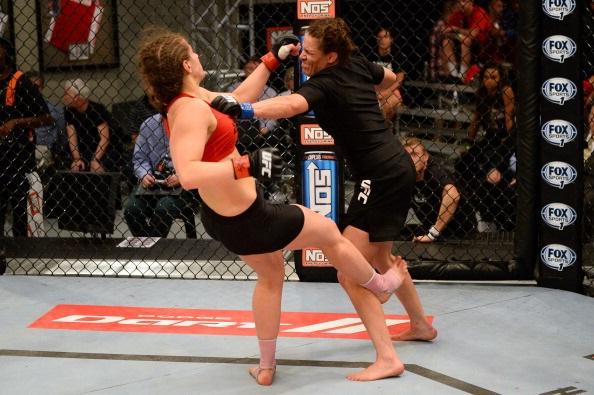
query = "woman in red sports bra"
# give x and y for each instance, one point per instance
(202, 143)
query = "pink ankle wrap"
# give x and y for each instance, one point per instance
(383, 283)
(267, 353)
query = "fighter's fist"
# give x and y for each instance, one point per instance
(284, 46)
(229, 105)
(264, 164)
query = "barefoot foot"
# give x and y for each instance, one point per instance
(425, 333)
(262, 376)
(378, 370)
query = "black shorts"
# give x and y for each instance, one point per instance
(262, 228)
(380, 207)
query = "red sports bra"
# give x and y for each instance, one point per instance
(221, 142)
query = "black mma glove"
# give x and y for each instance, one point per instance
(280, 51)
(227, 104)
(264, 164)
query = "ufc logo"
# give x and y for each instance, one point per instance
(366, 191)
(266, 164)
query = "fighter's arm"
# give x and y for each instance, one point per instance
(249, 90)
(281, 107)
(450, 198)
(253, 86)
(391, 80)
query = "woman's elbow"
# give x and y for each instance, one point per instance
(185, 180)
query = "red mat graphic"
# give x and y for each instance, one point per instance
(206, 322)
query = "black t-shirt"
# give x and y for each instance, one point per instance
(428, 191)
(85, 124)
(345, 105)
(388, 61)
(17, 150)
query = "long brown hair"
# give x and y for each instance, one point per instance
(335, 36)
(161, 53)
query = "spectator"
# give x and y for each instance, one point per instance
(158, 199)
(385, 51)
(262, 126)
(47, 137)
(21, 110)
(389, 99)
(443, 61)
(497, 48)
(495, 108)
(87, 128)
(495, 115)
(470, 26)
(437, 201)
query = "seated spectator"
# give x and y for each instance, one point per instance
(251, 131)
(495, 106)
(443, 61)
(87, 129)
(469, 27)
(158, 198)
(437, 201)
(389, 99)
(495, 115)
(47, 137)
(385, 55)
(497, 48)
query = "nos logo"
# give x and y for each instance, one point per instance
(558, 174)
(559, 90)
(559, 48)
(558, 132)
(557, 256)
(558, 9)
(558, 215)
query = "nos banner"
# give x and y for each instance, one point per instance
(561, 148)
(319, 167)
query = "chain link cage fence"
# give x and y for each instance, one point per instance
(85, 164)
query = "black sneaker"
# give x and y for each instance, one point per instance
(2, 264)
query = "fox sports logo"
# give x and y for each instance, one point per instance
(558, 132)
(558, 215)
(559, 48)
(559, 90)
(558, 174)
(557, 256)
(558, 9)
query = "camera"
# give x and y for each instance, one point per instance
(163, 170)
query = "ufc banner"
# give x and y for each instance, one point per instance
(561, 147)
(319, 167)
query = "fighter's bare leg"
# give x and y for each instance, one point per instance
(387, 363)
(266, 305)
(380, 253)
(420, 329)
